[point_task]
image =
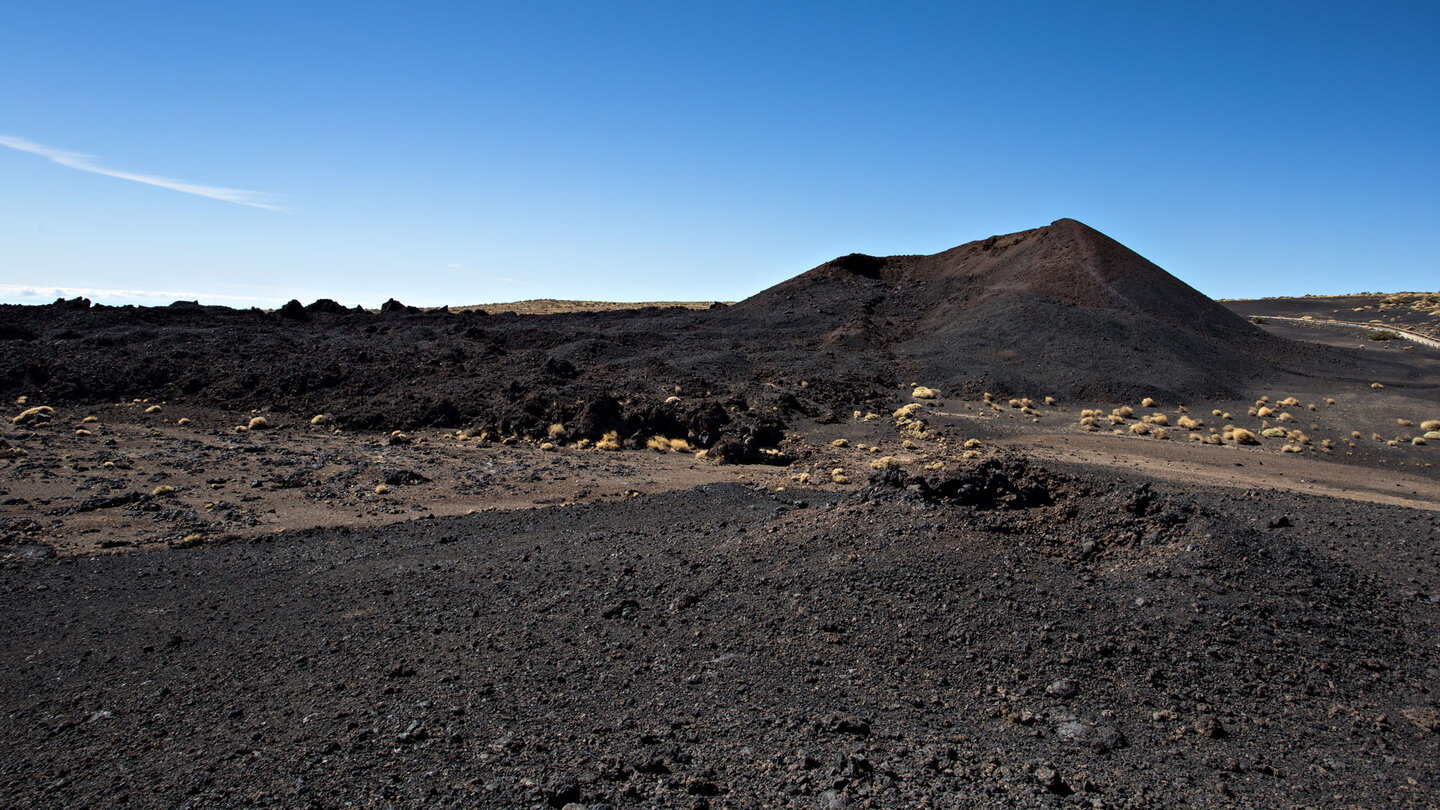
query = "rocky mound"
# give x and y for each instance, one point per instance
(1061, 309)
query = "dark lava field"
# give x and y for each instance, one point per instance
(968, 625)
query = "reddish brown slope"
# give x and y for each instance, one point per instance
(1061, 309)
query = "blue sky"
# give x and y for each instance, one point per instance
(475, 152)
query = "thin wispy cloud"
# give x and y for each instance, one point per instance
(85, 163)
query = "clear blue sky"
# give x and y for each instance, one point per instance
(248, 153)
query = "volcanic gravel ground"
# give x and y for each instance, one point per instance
(1001, 635)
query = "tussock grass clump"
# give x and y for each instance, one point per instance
(921, 392)
(183, 421)
(83, 432)
(258, 423)
(1430, 424)
(320, 419)
(1052, 401)
(1377, 437)
(547, 446)
(1292, 448)
(837, 476)
(1405, 423)
(1376, 386)
(885, 463)
(1311, 407)
(1088, 422)
(1418, 441)
(555, 431)
(610, 441)
(1147, 402)
(1139, 428)
(1216, 412)
(1432, 435)
(1157, 419)
(162, 490)
(909, 445)
(1285, 417)
(1264, 411)
(970, 454)
(1160, 433)
(91, 419)
(33, 416)
(153, 409)
(1091, 412)
(1124, 412)
(1243, 436)
(659, 444)
(971, 444)
(1273, 433)
(1288, 402)
(1115, 419)
(1188, 423)
(382, 489)
(937, 464)
(840, 443)
(904, 412)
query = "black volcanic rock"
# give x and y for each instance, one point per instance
(1060, 310)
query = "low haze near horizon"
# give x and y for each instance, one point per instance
(449, 153)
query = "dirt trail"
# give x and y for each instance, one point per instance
(1237, 468)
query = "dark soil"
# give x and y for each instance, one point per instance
(1004, 635)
